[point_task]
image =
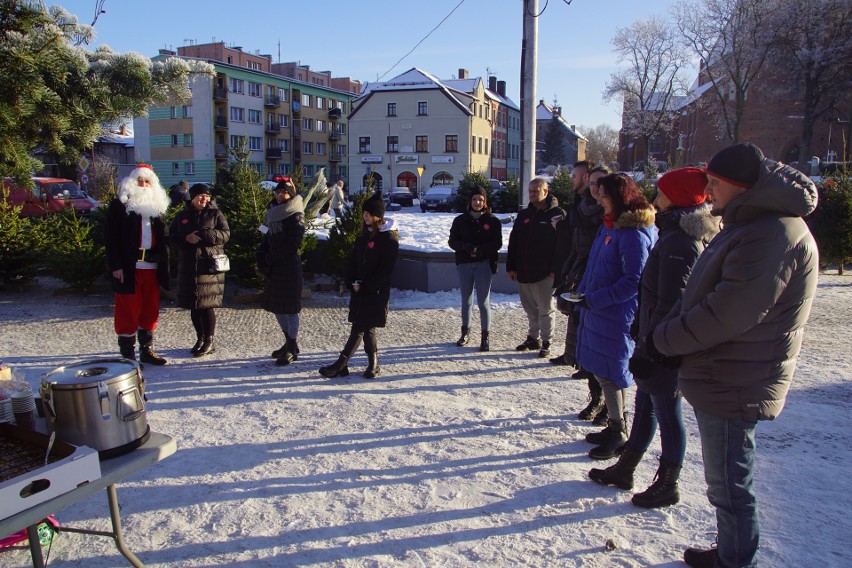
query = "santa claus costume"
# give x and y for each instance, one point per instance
(138, 261)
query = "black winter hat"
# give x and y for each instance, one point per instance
(198, 189)
(375, 205)
(479, 191)
(738, 164)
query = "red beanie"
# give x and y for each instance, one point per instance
(684, 187)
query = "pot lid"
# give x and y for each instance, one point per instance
(91, 372)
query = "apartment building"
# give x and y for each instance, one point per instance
(286, 124)
(417, 131)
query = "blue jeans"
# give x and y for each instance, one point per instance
(665, 411)
(478, 275)
(728, 449)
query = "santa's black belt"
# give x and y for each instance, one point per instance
(145, 255)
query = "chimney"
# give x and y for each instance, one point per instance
(557, 111)
(501, 88)
(462, 73)
(492, 84)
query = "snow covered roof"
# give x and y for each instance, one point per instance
(545, 112)
(413, 79)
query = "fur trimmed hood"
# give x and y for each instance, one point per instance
(698, 222)
(637, 219)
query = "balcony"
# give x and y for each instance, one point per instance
(335, 114)
(222, 122)
(297, 155)
(297, 107)
(333, 135)
(272, 101)
(273, 153)
(272, 128)
(297, 130)
(220, 93)
(334, 157)
(221, 151)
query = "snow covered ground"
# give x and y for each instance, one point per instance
(451, 458)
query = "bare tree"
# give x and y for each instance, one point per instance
(732, 39)
(813, 62)
(651, 84)
(602, 143)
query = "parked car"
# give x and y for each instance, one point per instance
(438, 198)
(402, 196)
(49, 195)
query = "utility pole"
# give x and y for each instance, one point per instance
(529, 74)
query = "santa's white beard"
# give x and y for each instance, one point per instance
(145, 201)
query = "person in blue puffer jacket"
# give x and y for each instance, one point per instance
(608, 297)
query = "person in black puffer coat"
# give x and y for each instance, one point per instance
(685, 227)
(279, 262)
(476, 236)
(368, 274)
(199, 232)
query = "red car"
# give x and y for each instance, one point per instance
(49, 195)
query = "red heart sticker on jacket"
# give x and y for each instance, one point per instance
(184, 221)
(371, 244)
(486, 226)
(526, 221)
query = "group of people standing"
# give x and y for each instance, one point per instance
(687, 298)
(691, 298)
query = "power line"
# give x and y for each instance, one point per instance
(421, 41)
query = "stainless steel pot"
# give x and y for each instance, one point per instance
(98, 403)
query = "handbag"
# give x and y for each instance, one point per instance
(563, 305)
(219, 263)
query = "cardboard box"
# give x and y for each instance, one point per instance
(78, 465)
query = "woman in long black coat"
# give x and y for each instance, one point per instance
(279, 261)
(368, 274)
(199, 232)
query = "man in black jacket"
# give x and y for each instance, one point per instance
(530, 262)
(137, 259)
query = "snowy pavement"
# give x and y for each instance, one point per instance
(451, 458)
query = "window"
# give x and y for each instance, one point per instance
(175, 168)
(306, 100)
(320, 102)
(343, 171)
(255, 142)
(189, 168)
(235, 85)
(341, 149)
(254, 116)
(307, 147)
(254, 89)
(175, 139)
(283, 94)
(172, 112)
(253, 65)
(451, 143)
(341, 128)
(320, 125)
(309, 171)
(393, 144)
(421, 143)
(391, 109)
(307, 123)
(364, 145)
(283, 121)
(283, 169)
(321, 148)
(472, 144)
(187, 139)
(422, 108)
(480, 146)
(187, 111)
(486, 145)
(238, 114)
(237, 141)
(283, 144)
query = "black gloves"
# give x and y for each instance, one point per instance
(671, 362)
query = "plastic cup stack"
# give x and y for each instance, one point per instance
(23, 406)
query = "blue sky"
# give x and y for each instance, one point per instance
(363, 39)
